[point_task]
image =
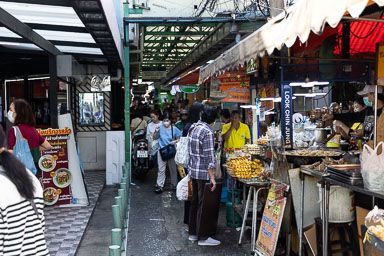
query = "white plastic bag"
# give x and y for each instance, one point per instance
(182, 152)
(372, 168)
(182, 189)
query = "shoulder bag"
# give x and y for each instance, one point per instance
(22, 151)
(182, 151)
(168, 151)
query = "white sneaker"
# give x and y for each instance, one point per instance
(192, 238)
(209, 241)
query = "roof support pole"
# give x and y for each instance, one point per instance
(127, 89)
(53, 91)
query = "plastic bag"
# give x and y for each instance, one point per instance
(182, 152)
(374, 221)
(372, 168)
(182, 190)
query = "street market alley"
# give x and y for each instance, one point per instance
(156, 226)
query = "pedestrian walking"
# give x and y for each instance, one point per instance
(22, 222)
(21, 116)
(168, 135)
(201, 167)
(151, 128)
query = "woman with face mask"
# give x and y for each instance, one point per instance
(20, 114)
(167, 134)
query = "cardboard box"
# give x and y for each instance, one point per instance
(360, 217)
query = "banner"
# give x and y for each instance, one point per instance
(235, 86)
(286, 115)
(56, 177)
(272, 218)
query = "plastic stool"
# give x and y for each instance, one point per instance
(342, 229)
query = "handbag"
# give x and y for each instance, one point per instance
(22, 151)
(169, 151)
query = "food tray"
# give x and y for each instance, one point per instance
(347, 180)
(346, 170)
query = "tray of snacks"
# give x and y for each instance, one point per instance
(307, 156)
(243, 167)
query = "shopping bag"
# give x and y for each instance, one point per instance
(182, 188)
(182, 152)
(22, 151)
(372, 167)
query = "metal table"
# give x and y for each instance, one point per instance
(304, 171)
(254, 189)
(326, 183)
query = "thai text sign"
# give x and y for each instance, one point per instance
(56, 177)
(236, 87)
(271, 220)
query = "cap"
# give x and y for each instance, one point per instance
(183, 112)
(370, 88)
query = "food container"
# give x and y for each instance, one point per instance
(321, 134)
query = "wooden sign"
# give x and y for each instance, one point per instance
(271, 220)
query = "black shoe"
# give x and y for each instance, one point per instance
(158, 190)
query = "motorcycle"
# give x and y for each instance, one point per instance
(140, 157)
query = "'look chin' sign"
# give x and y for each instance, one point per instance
(286, 115)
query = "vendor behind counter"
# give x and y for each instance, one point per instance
(366, 116)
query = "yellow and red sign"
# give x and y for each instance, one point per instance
(236, 85)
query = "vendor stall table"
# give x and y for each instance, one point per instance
(327, 182)
(254, 188)
(304, 171)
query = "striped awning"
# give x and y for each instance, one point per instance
(296, 22)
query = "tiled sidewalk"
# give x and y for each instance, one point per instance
(65, 226)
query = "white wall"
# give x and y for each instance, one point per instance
(92, 149)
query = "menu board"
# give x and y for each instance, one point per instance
(271, 220)
(235, 85)
(56, 177)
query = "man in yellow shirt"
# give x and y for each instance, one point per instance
(235, 134)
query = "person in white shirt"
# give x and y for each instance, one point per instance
(151, 128)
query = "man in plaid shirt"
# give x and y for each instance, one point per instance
(202, 163)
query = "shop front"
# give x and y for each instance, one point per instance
(317, 175)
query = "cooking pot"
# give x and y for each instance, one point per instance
(321, 134)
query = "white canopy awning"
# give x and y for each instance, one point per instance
(297, 21)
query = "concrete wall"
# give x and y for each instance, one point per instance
(92, 149)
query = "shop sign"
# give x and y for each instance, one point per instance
(286, 113)
(153, 75)
(191, 88)
(272, 218)
(234, 87)
(56, 176)
(380, 63)
(253, 65)
(101, 83)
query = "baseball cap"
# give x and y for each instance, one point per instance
(370, 88)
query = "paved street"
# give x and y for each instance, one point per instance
(156, 226)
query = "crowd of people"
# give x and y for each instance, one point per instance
(163, 131)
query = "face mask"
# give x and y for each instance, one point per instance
(10, 116)
(167, 124)
(367, 102)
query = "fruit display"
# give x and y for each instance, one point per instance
(242, 167)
